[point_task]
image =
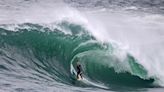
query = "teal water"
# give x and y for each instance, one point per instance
(36, 58)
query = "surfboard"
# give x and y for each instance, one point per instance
(79, 78)
(84, 80)
(75, 76)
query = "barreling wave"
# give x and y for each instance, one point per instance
(40, 52)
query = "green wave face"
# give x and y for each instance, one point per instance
(50, 53)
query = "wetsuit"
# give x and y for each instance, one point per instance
(79, 70)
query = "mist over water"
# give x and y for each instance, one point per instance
(119, 44)
(140, 35)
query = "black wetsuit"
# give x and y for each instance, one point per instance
(79, 70)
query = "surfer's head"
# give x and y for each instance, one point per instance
(78, 63)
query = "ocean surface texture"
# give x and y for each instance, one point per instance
(119, 44)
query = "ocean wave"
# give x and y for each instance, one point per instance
(39, 53)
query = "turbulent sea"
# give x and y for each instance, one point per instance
(119, 44)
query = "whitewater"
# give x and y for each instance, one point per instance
(119, 44)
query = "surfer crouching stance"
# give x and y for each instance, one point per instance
(79, 70)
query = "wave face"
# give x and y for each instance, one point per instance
(38, 54)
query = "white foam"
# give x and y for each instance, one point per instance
(140, 34)
(41, 11)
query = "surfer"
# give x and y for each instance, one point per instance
(79, 70)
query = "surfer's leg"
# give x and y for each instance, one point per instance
(81, 74)
(77, 76)
(78, 72)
